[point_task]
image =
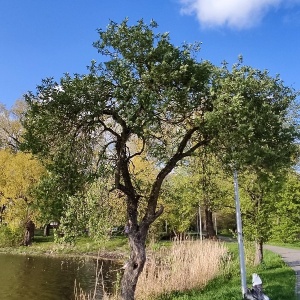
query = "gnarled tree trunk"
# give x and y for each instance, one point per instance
(134, 266)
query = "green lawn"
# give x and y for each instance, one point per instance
(83, 246)
(295, 245)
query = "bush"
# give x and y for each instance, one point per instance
(10, 237)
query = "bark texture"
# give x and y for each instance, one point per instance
(258, 252)
(211, 233)
(29, 233)
(134, 265)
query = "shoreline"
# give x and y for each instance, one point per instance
(117, 256)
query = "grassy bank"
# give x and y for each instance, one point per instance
(171, 274)
(295, 245)
(209, 271)
(278, 281)
(181, 265)
(113, 248)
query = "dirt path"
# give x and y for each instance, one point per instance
(292, 258)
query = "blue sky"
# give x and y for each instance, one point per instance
(47, 38)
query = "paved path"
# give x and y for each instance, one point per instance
(292, 258)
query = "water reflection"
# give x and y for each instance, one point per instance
(48, 278)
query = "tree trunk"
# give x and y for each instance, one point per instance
(47, 230)
(29, 233)
(134, 266)
(258, 252)
(210, 231)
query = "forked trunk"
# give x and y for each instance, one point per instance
(134, 266)
(258, 252)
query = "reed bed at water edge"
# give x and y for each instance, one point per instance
(183, 266)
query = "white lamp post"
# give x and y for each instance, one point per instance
(240, 233)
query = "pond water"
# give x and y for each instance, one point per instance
(50, 278)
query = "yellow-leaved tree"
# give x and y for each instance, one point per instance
(19, 173)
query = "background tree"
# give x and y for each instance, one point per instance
(19, 173)
(212, 187)
(180, 201)
(258, 204)
(94, 213)
(11, 128)
(260, 129)
(285, 225)
(200, 180)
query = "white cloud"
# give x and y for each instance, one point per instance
(232, 13)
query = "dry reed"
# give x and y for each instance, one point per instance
(183, 266)
(186, 265)
(97, 293)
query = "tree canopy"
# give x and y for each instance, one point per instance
(159, 96)
(253, 118)
(19, 173)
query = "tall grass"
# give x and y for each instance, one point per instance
(183, 272)
(184, 266)
(278, 280)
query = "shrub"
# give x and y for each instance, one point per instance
(10, 237)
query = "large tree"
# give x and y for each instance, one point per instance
(258, 114)
(148, 91)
